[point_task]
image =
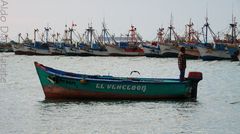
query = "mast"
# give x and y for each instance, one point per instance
(53, 37)
(35, 31)
(104, 30)
(190, 31)
(19, 37)
(171, 27)
(47, 30)
(65, 35)
(58, 34)
(89, 37)
(160, 35)
(207, 27)
(71, 30)
(233, 26)
(27, 36)
(190, 34)
(106, 37)
(6, 37)
(132, 32)
(171, 31)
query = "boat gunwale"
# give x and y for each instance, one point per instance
(100, 78)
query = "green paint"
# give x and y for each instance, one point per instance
(166, 88)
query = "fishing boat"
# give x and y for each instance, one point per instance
(190, 42)
(169, 48)
(152, 49)
(212, 51)
(6, 46)
(56, 47)
(24, 47)
(127, 46)
(96, 47)
(42, 47)
(71, 47)
(231, 41)
(27, 47)
(59, 84)
(89, 45)
(77, 50)
(209, 52)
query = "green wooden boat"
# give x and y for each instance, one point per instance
(59, 84)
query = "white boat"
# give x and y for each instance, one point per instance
(169, 50)
(212, 51)
(168, 46)
(23, 48)
(6, 46)
(221, 48)
(209, 53)
(151, 49)
(41, 48)
(190, 41)
(72, 50)
(29, 48)
(57, 49)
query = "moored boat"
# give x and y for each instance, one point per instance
(24, 47)
(59, 84)
(212, 51)
(89, 45)
(169, 48)
(209, 52)
(231, 40)
(127, 46)
(221, 49)
(42, 47)
(91, 39)
(6, 46)
(152, 49)
(56, 47)
(190, 42)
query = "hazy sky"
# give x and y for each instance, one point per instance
(147, 15)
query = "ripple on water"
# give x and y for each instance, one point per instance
(24, 110)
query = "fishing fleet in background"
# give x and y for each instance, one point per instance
(166, 44)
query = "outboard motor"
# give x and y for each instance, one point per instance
(194, 78)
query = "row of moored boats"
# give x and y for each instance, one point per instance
(164, 45)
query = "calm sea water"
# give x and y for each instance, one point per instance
(23, 109)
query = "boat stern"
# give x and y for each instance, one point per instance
(194, 78)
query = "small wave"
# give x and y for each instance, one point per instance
(235, 102)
